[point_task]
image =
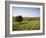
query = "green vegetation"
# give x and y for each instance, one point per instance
(28, 23)
(19, 19)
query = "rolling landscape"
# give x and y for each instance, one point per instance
(28, 23)
(25, 18)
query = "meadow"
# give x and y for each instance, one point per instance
(28, 23)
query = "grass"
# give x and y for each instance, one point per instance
(26, 25)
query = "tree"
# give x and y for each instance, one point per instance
(19, 19)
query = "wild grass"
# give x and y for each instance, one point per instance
(26, 25)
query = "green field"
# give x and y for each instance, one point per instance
(28, 23)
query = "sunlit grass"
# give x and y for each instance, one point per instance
(26, 25)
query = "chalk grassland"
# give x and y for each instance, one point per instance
(28, 23)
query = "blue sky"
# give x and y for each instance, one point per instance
(26, 11)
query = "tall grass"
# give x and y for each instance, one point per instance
(26, 24)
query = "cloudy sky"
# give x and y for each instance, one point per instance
(26, 11)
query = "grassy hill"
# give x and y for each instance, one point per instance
(28, 23)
